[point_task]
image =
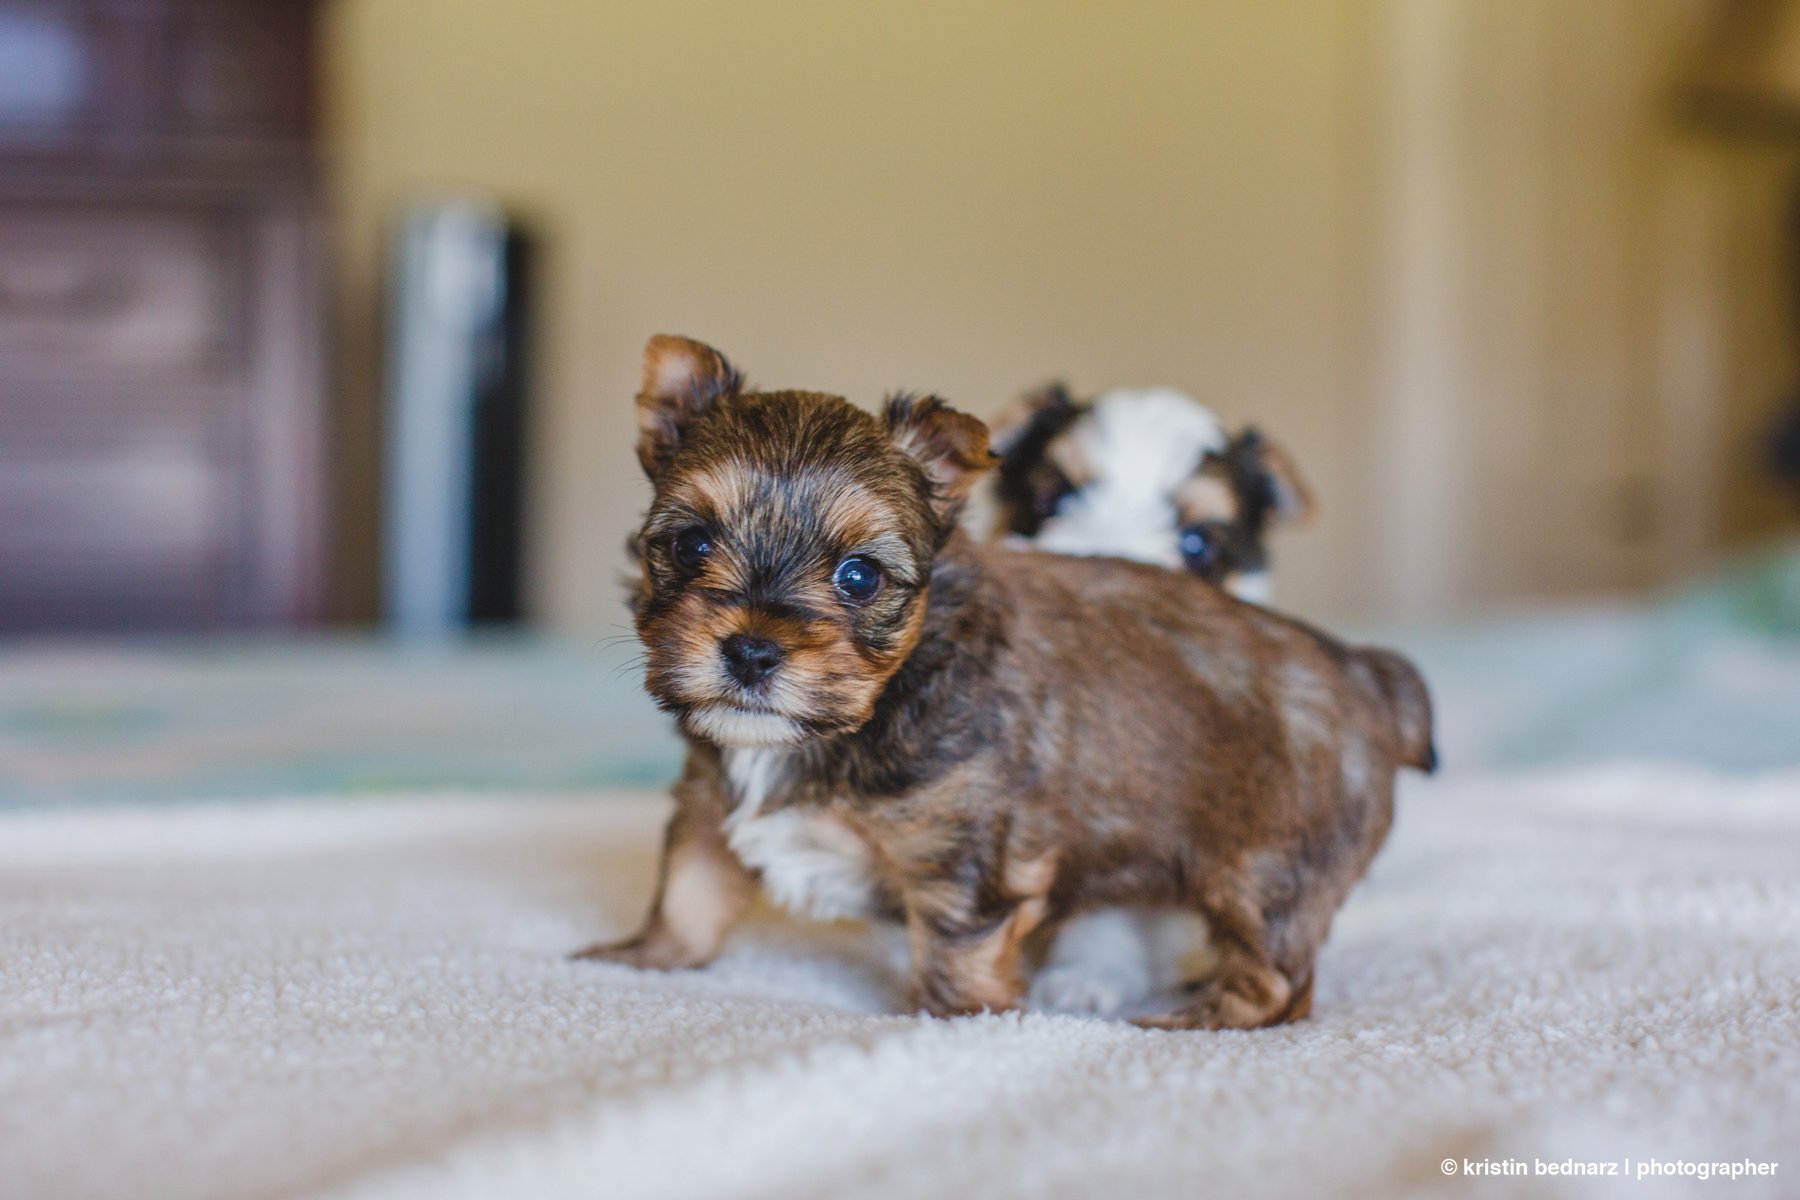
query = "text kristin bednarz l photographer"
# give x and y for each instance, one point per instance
(1621, 1168)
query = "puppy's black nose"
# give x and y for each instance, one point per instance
(750, 659)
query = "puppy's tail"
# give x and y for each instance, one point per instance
(1408, 702)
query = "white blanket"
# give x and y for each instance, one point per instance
(369, 999)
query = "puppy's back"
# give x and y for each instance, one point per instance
(1261, 675)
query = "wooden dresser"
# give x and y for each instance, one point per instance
(162, 398)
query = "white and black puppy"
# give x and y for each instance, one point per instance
(1147, 474)
(1153, 475)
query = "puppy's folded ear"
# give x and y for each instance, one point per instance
(682, 379)
(1272, 471)
(1026, 427)
(950, 447)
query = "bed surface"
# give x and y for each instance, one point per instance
(286, 919)
(368, 998)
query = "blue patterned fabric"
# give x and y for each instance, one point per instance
(153, 721)
(1709, 676)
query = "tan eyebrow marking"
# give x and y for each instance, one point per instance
(1206, 497)
(861, 519)
(722, 487)
(892, 552)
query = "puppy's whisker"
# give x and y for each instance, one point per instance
(632, 666)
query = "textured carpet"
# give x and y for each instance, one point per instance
(368, 999)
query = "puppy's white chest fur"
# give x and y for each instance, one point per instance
(810, 862)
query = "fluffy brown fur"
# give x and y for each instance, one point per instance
(994, 739)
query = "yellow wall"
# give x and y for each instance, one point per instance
(963, 197)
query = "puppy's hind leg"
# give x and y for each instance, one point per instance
(1247, 989)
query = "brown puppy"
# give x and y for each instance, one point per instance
(886, 719)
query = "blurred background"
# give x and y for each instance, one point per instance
(327, 316)
(1513, 280)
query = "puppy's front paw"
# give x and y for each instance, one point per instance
(964, 1008)
(645, 953)
(936, 996)
(1083, 990)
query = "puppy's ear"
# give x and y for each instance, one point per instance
(682, 379)
(950, 447)
(1025, 428)
(1266, 467)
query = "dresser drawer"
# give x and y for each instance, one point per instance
(143, 534)
(136, 83)
(139, 506)
(138, 296)
(242, 70)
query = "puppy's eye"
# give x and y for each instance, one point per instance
(691, 547)
(1200, 549)
(857, 580)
